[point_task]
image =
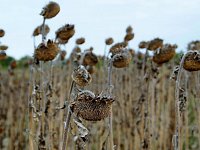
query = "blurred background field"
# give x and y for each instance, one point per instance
(19, 121)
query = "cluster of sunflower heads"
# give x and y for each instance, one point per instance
(46, 51)
(121, 56)
(129, 34)
(118, 47)
(38, 30)
(164, 53)
(50, 10)
(81, 76)
(64, 33)
(192, 61)
(88, 59)
(194, 45)
(3, 47)
(92, 107)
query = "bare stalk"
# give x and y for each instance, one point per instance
(43, 31)
(111, 114)
(176, 139)
(69, 114)
(29, 124)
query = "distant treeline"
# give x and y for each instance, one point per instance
(20, 63)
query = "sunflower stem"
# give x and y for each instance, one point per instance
(69, 114)
(177, 143)
(43, 31)
(111, 114)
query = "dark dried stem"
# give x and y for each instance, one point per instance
(146, 112)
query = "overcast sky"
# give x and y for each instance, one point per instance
(176, 21)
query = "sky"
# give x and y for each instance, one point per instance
(175, 21)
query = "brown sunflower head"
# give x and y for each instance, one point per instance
(117, 48)
(155, 44)
(129, 29)
(50, 10)
(38, 30)
(128, 37)
(143, 44)
(64, 33)
(109, 41)
(3, 55)
(3, 47)
(2, 32)
(91, 107)
(46, 51)
(91, 69)
(122, 59)
(80, 41)
(13, 64)
(194, 45)
(90, 58)
(192, 61)
(81, 76)
(164, 54)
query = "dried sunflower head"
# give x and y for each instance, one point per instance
(109, 41)
(192, 62)
(143, 44)
(155, 44)
(129, 37)
(3, 47)
(46, 51)
(91, 107)
(118, 47)
(80, 41)
(122, 59)
(2, 32)
(129, 29)
(13, 64)
(91, 69)
(38, 30)
(3, 55)
(64, 33)
(90, 58)
(194, 45)
(81, 76)
(164, 54)
(50, 10)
